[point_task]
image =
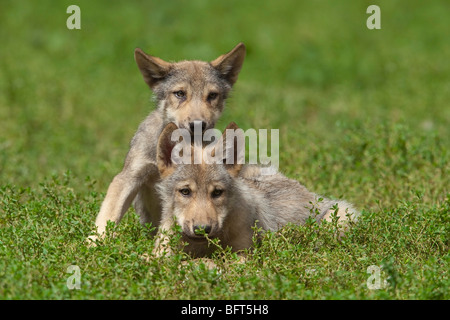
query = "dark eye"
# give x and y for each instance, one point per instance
(212, 95)
(180, 94)
(216, 193)
(185, 192)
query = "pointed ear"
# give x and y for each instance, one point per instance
(152, 68)
(232, 126)
(229, 65)
(233, 140)
(164, 150)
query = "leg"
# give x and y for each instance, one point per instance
(162, 238)
(122, 191)
(147, 204)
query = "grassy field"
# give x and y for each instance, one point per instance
(363, 115)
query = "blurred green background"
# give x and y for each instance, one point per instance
(362, 113)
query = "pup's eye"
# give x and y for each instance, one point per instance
(212, 95)
(216, 193)
(185, 192)
(180, 94)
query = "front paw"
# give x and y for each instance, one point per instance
(161, 250)
(91, 241)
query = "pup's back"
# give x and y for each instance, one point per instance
(287, 201)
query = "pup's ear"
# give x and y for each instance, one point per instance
(230, 64)
(152, 68)
(233, 140)
(164, 150)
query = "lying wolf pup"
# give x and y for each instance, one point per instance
(225, 201)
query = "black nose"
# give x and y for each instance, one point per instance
(197, 123)
(199, 229)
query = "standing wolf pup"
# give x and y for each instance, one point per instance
(225, 201)
(185, 92)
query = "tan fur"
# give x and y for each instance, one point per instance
(247, 199)
(205, 87)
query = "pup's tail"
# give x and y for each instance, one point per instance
(344, 211)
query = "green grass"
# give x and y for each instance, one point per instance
(363, 115)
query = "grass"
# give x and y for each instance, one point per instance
(363, 115)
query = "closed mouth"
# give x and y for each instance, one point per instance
(197, 239)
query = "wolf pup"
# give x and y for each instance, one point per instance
(225, 201)
(185, 92)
